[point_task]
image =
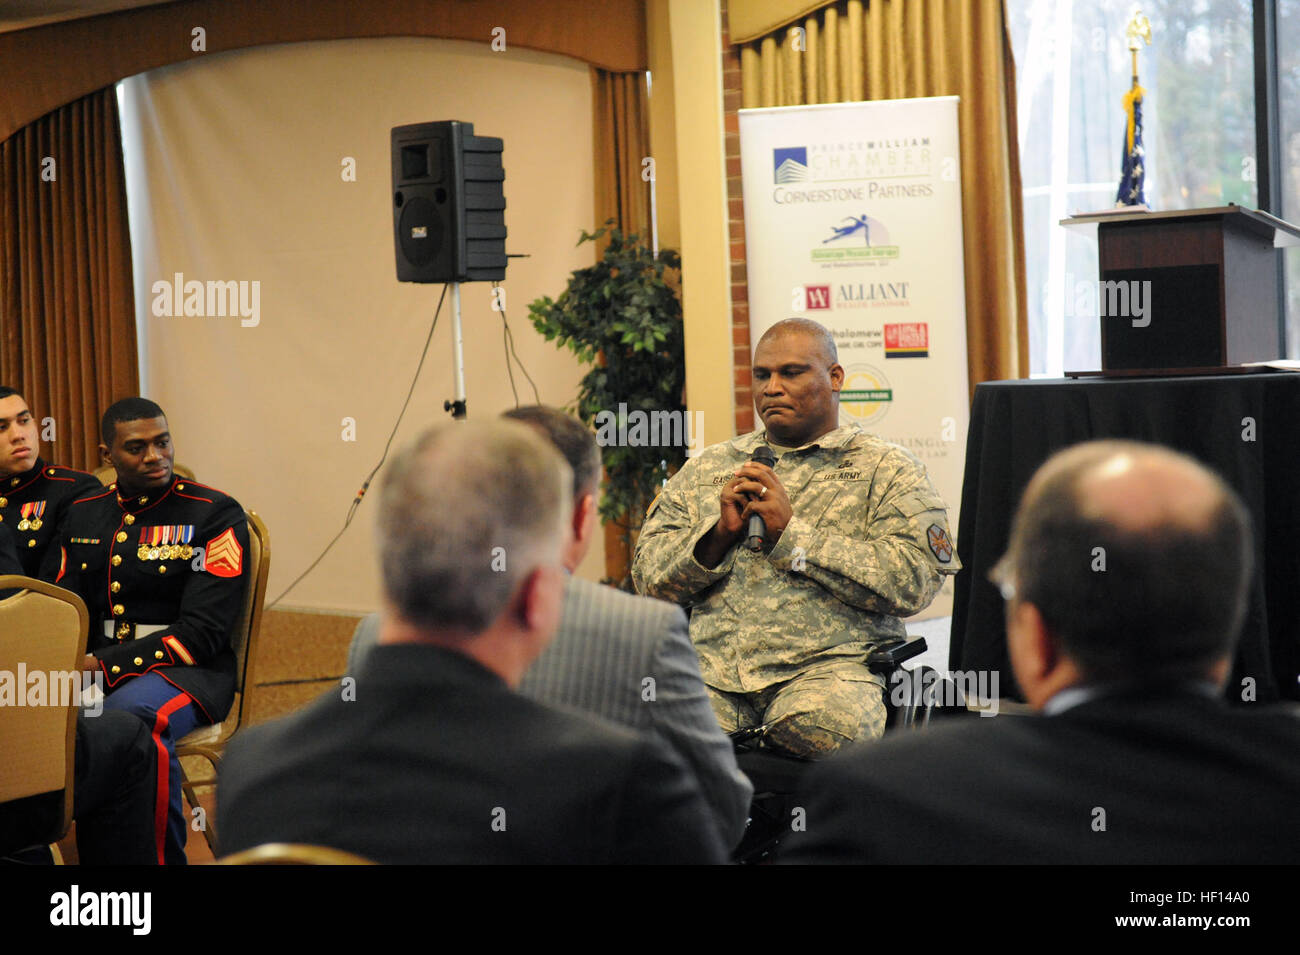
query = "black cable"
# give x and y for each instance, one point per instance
(505, 346)
(509, 338)
(365, 486)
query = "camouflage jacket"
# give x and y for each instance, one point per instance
(867, 543)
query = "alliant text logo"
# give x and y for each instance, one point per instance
(872, 295)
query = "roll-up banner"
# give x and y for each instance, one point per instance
(853, 219)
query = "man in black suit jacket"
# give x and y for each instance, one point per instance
(431, 756)
(1126, 581)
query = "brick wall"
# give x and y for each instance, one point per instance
(736, 225)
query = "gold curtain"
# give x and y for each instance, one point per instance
(67, 308)
(894, 49)
(621, 139)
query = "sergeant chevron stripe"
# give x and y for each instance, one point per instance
(223, 557)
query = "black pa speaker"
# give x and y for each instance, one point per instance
(449, 204)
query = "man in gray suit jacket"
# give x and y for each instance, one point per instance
(625, 658)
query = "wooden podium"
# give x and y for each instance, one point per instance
(1194, 288)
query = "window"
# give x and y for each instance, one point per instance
(1072, 70)
(1288, 74)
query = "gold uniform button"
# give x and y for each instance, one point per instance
(117, 584)
(4, 502)
(118, 610)
(162, 568)
(117, 561)
(180, 487)
(121, 536)
(130, 519)
(32, 542)
(49, 471)
(83, 566)
(157, 654)
(144, 498)
(117, 669)
(139, 661)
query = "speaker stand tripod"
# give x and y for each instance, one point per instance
(457, 406)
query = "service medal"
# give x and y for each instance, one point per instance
(186, 552)
(154, 553)
(31, 514)
(143, 552)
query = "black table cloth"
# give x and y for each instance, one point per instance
(1246, 427)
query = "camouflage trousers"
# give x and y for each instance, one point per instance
(812, 715)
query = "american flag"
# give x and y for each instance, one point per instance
(1132, 183)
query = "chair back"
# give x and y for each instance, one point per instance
(293, 853)
(43, 632)
(244, 637)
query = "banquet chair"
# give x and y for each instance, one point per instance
(43, 629)
(289, 853)
(208, 742)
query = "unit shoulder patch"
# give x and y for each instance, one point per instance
(940, 543)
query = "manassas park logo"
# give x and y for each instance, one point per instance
(866, 395)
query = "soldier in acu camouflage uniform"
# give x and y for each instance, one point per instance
(856, 538)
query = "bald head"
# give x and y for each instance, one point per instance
(821, 343)
(1137, 557)
(1135, 487)
(796, 382)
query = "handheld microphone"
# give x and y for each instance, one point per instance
(757, 529)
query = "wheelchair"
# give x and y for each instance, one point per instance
(910, 698)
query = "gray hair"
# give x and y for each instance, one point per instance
(465, 515)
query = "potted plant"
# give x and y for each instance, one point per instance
(623, 316)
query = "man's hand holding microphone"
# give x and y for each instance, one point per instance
(753, 508)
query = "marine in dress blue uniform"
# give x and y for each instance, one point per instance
(159, 561)
(33, 493)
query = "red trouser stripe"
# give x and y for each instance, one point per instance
(162, 803)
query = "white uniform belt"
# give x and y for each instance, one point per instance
(141, 629)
